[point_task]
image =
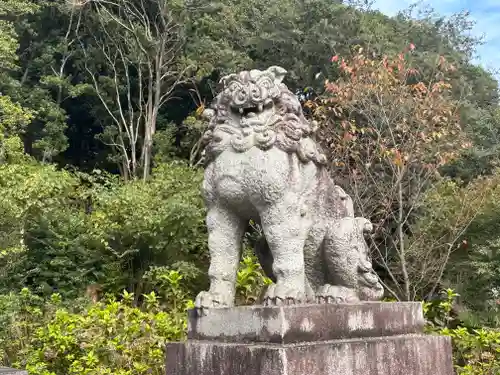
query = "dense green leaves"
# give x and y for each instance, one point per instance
(60, 235)
(476, 350)
(110, 337)
(151, 224)
(79, 105)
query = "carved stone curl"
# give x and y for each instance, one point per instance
(262, 164)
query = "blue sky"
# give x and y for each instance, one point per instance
(486, 13)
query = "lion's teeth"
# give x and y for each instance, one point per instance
(241, 110)
(260, 107)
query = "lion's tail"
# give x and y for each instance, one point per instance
(265, 257)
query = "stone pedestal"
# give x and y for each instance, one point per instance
(345, 339)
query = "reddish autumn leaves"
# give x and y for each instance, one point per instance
(391, 109)
(387, 124)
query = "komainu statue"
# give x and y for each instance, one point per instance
(263, 164)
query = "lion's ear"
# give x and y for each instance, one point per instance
(278, 72)
(224, 80)
(365, 225)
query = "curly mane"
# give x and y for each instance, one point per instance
(255, 109)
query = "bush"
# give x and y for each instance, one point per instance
(250, 281)
(113, 336)
(140, 225)
(61, 231)
(42, 225)
(108, 337)
(476, 351)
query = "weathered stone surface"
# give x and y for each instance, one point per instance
(11, 371)
(263, 164)
(396, 355)
(305, 323)
(370, 338)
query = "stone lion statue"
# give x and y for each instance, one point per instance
(263, 164)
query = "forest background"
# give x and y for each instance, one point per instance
(102, 234)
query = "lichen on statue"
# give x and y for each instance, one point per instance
(262, 163)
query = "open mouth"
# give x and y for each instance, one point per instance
(252, 110)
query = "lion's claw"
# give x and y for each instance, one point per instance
(336, 294)
(279, 295)
(208, 300)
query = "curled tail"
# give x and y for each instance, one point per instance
(265, 257)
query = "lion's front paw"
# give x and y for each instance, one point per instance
(207, 300)
(279, 295)
(336, 294)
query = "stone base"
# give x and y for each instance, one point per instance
(306, 323)
(344, 339)
(396, 355)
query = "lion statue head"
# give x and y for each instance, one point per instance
(256, 109)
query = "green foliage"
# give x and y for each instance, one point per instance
(50, 74)
(476, 350)
(27, 191)
(149, 224)
(10, 12)
(55, 336)
(439, 233)
(438, 312)
(13, 120)
(13, 117)
(65, 227)
(19, 79)
(172, 285)
(250, 281)
(109, 337)
(474, 267)
(62, 231)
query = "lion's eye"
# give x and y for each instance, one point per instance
(266, 83)
(234, 86)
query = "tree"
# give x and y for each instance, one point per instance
(13, 120)
(474, 269)
(28, 192)
(37, 49)
(140, 43)
(11, 10)
(387, 134)
(13, 116)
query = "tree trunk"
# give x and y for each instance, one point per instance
(402, 250)
(147, 152)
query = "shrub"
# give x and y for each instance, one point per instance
(108, 337)
(250, 281)
(61, 231)
(113, 336)
(476, 351)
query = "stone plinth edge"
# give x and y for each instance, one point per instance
(306, 323)
(395, 355)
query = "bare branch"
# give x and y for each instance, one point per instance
(141, 41)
